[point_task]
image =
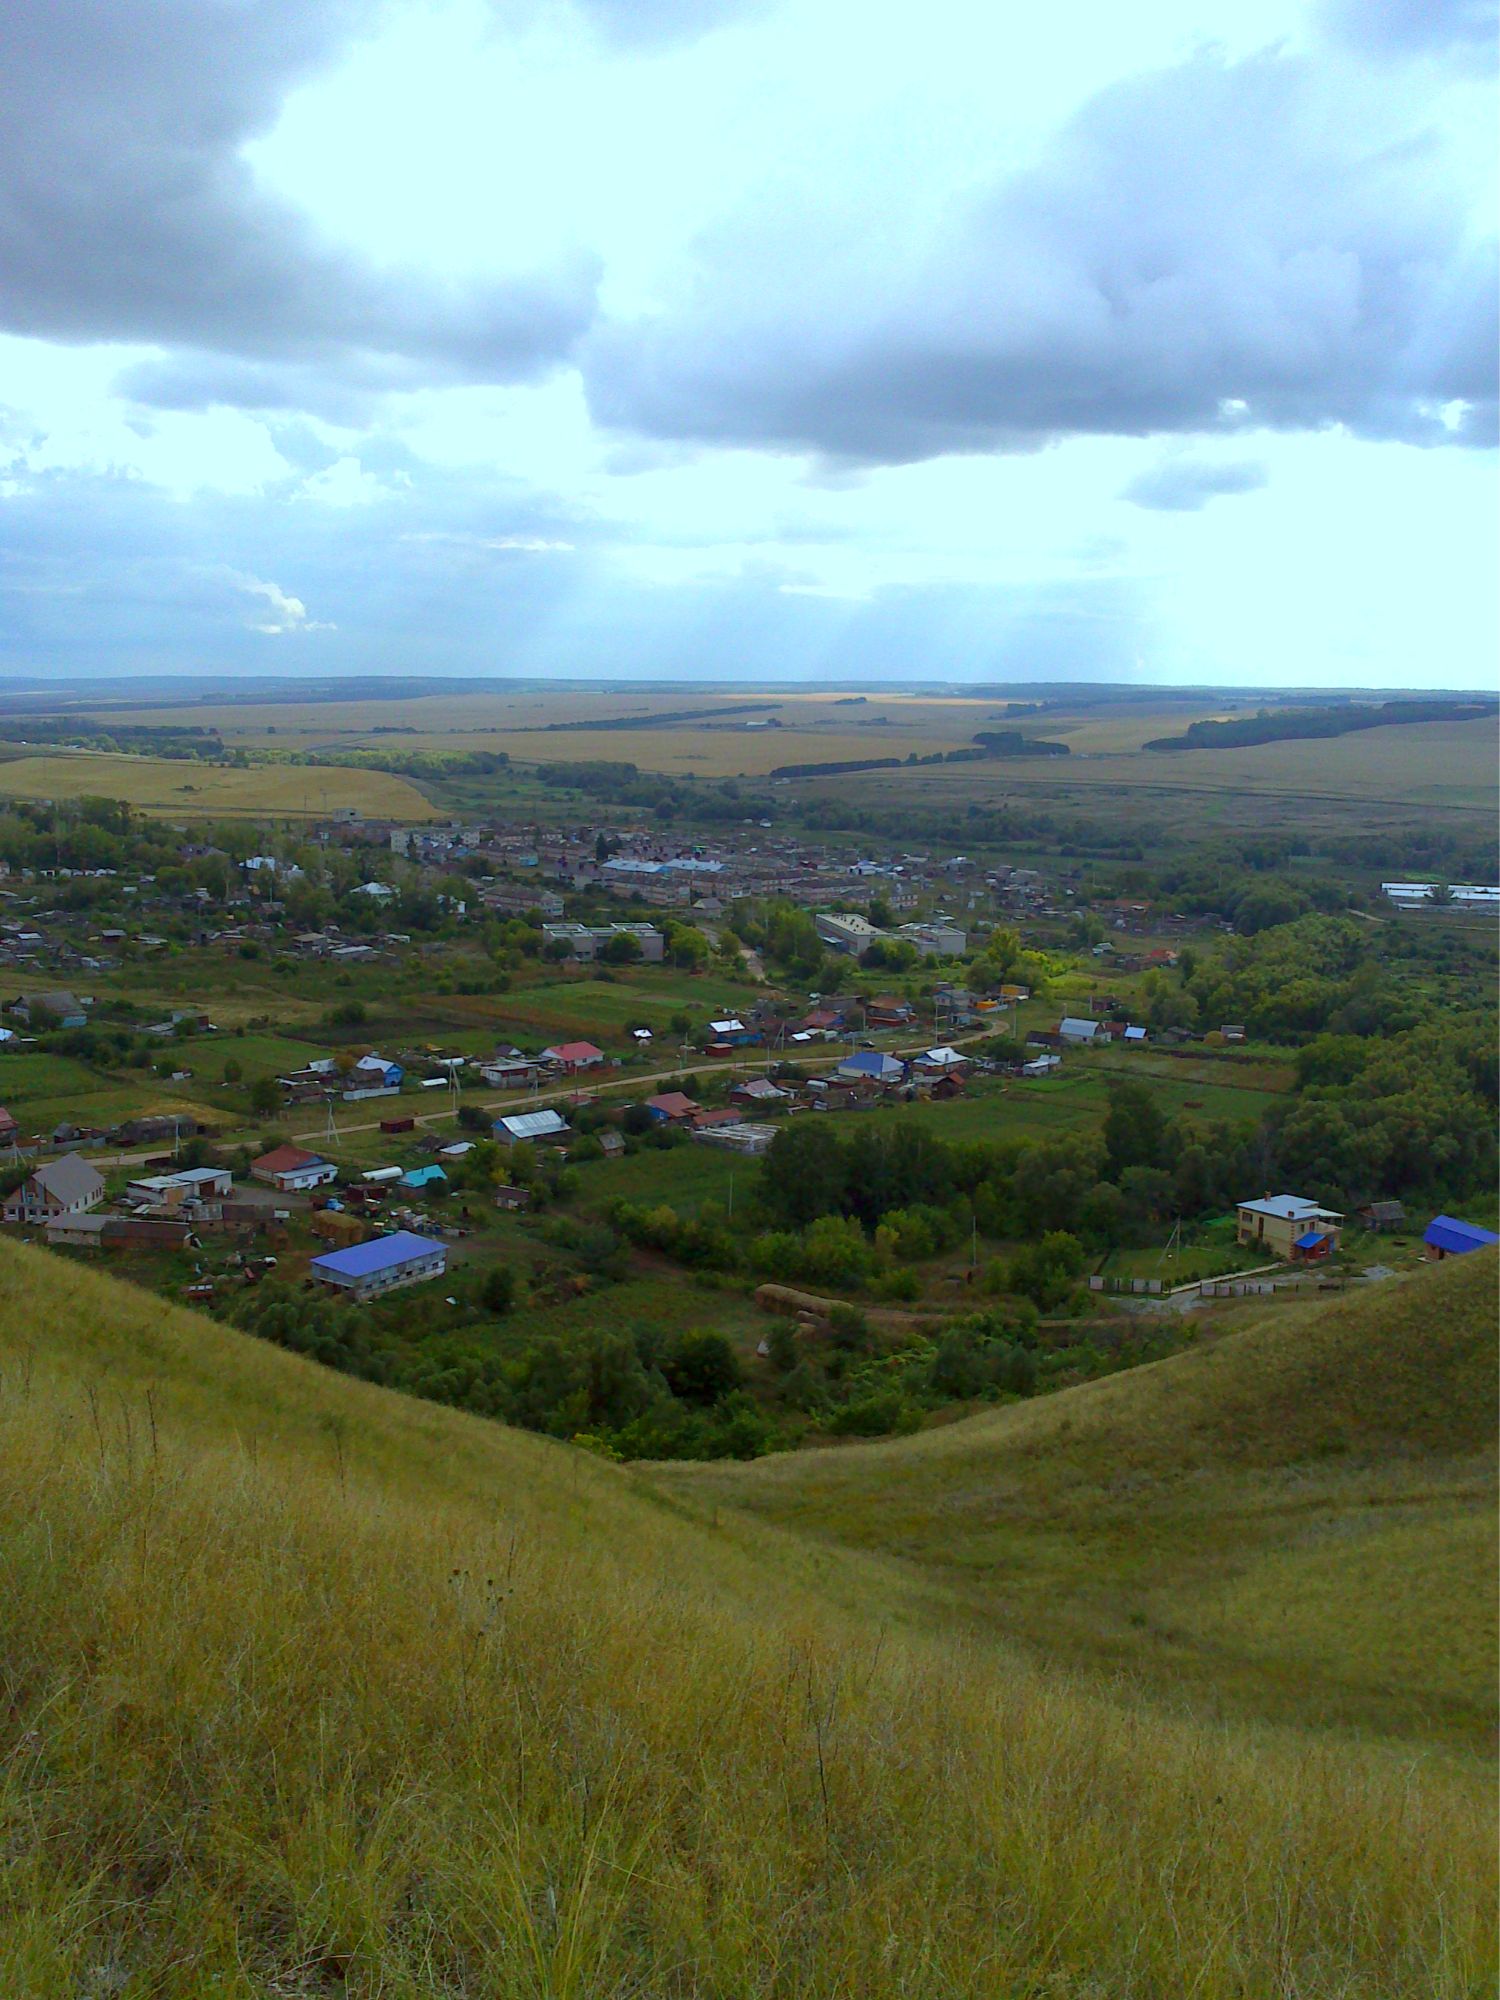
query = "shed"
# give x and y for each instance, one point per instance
(531, 1127)
(1446, 1236)
(1383, 1215)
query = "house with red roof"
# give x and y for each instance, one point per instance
(291, 1170)
(572, 1056)
(671, 1107)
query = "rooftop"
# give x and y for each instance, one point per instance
(363, 1260)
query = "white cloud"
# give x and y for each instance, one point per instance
(284, 614)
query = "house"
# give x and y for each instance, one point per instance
(571, 1056)
(1041, 1065)
(1133, 1038)
(62, 1007)
(77, 1232)
(671, 1107)
(611, 1145)
(943, 1061)
(759, 1090)
(509, 1070)
(732, 1033)
(370, 1074)
(368, 1270)
(871, 1066)
(1446, 1236)
(68, 1186)
(510, 1197)
(1076, 1030)
(192, 1184)
(424, 1177)
(888, 1012)
(530, 1128)
(9, 1129)
(1380, 1215)
(707, 1121)
(1290, 1227)
(291, 1170)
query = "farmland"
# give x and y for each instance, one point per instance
(164, 786)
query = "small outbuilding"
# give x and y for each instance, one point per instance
(1446, 1236)
(531, 1128)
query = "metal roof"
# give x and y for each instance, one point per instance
(533, 1124)
(363, 1260)
(1447, 1233)
(1291, 1208)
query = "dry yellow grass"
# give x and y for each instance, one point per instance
(312, 1689)
(1297, 1520)
(165, 786)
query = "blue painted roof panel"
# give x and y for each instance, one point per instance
(1447, 1233)
(363, 1260)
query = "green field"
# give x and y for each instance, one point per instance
(1330, 1461)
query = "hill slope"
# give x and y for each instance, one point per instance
(1298, 1519)
(309, 1689)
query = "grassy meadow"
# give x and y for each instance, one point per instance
(1293, 1520)
(314, 1689)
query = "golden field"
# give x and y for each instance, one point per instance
(167, 786)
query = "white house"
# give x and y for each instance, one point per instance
(66, 1186)
(1072, 1029)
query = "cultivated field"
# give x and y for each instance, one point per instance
(165, 786)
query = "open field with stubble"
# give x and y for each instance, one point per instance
(1371, 777)
(311, 1687)
(165, 786)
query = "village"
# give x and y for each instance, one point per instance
(357, 1057)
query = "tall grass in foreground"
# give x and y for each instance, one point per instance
(308, 1689)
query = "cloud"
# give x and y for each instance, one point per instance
(1184, 485)
(128, 213)
(648, 24)
(1220, 244)
(1404, 28)
(284, 614)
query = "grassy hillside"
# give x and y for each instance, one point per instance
(309, 1689)
(1297, 1521)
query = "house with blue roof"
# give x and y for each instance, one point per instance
(421, 1177)
(1446, 1236)
(368, 1270)
(871, 1066)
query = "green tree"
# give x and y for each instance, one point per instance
(265, 1096)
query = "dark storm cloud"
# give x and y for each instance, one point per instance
(126, 212)
(1203, 247)
(1184, 485)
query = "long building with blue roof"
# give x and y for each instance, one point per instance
(1446, 1236)
(368, 1270)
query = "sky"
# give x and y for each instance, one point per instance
(762, 340)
